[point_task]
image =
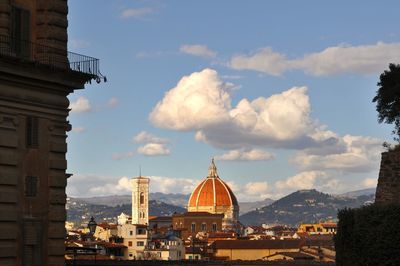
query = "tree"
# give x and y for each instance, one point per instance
(388, 98)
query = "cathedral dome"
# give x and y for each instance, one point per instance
(212, 192)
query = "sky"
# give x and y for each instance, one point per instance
(278, 92)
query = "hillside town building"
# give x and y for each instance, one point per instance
(37, 73)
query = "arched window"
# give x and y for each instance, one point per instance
(204, 227)
(141, 198)
(193, 227)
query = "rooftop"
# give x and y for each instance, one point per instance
(257, 244)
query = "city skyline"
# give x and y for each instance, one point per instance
(282, 98)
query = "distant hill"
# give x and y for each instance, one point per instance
(79, 211)
(357, 193)
(245, 207)
(177, 199)
(114, 200)
(303, 206)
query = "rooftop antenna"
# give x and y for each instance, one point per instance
(140, 171)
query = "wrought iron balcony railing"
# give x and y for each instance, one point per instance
(54, 58)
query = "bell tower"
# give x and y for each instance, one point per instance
(140, 200)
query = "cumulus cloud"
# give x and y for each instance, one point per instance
(318, 180)
(146, 137)
(198, 101)
(362, 59)
(78, 129)
(153, 146)
(251, 191)
(97, 185)
(198, 50)
(122, 155)
(137, 12)
(264, 60)
(153, 149)
(112, 102)
(246, 155)
(81, 105)
(303, 180)
(172, 185)
(370, 182)
(201, 103)
(350, 154)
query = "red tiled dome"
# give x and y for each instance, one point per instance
(212, 191)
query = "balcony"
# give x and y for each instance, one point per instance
(50, 57)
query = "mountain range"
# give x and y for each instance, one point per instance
(300, 206)
(305, 206)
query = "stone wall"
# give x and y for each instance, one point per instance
(388, 189)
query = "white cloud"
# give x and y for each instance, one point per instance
(351, 154)
(362, 59)
(153, 149)
(122, 155)
(370, 182)
(245, 155)
(78, 129)
(198, 50)
(198, 101)
(201, 103)
(172, 185)
(264, 60)
(251, 191)
(146, 137)
(123, 186)
(112, 102)
(94, 185)
(81, 105)
(137, 12)
(88, 185)
(303, 180)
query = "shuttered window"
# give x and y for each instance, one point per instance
(31, 184)
(20, 32)
(32, 132)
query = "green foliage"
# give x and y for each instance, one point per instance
(388, 98)
(368, 236)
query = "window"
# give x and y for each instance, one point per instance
(141, 231)
(20, 31)
(214, 227)
(129, 243)
(141, 198)
(31, 183)
(203, 227)
(193, 227)
(140, 243)
(32, 132)
(131, 233)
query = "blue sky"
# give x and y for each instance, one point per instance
(279, 92)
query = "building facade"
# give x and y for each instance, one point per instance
(193, 223)
(37, 73)
(213, 195)
(135, 239)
